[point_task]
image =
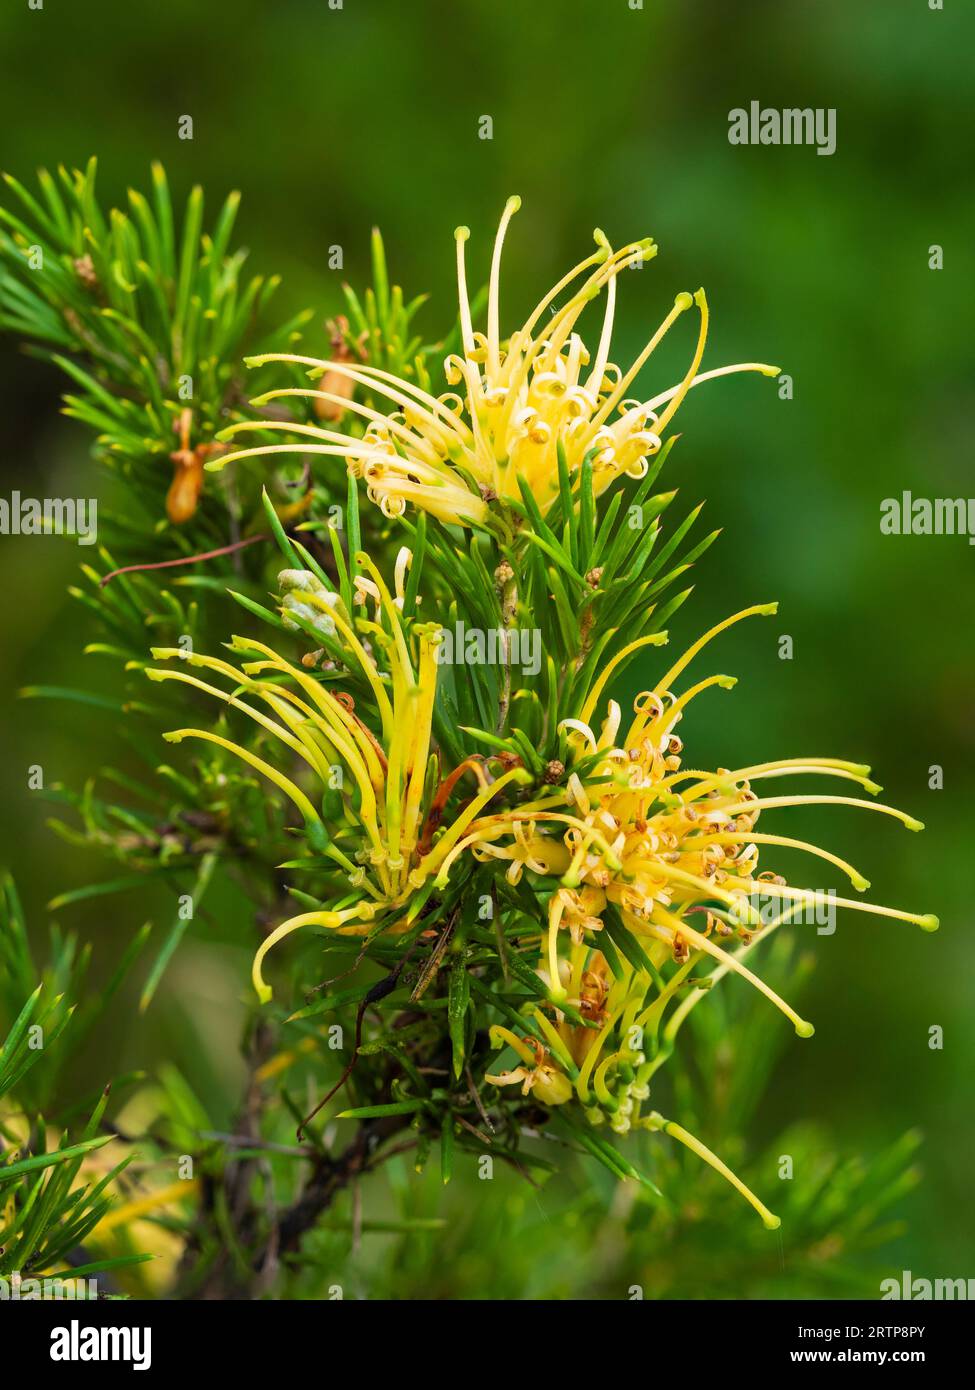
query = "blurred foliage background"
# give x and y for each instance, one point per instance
(330, 121)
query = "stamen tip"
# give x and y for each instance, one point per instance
(771, 1222)
(804, 1029)
(683, 301)
(861, 884)
(913, 824)
(513, 204)
(462, 233)
(929, 922)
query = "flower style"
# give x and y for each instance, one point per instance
(390, 795)
(525, 408)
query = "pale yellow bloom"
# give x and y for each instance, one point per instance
(675, 853)
(539, 1075)
(520, 405)
(388, 781)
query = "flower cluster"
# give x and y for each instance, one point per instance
(673, 855)
(388, 798)
(628, 872)
(523, 409)
(674, 852)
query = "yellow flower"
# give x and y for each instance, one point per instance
(522, 405)
(673, 854)
(540, 1074)
(660, 842)
(386, 780)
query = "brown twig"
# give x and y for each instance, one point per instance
(185, 560)
(329, 1177)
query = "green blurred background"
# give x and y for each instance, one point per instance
(332, 120)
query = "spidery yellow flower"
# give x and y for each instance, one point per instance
(520, 404)
(389, 780)
(673, 854)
